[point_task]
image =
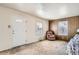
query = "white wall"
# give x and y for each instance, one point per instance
(6, 15)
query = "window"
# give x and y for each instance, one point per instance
(39, 28)
(63, 28)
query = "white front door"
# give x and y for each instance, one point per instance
(18, 32)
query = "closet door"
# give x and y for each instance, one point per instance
(18, 32)
(5, 34)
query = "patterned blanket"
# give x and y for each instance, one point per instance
(73, 46)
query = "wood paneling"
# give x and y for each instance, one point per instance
(73, 25)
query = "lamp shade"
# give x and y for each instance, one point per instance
(77, 30)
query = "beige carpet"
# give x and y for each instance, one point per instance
(41, 48)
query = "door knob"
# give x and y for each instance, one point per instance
(13, 32)
(25, 30)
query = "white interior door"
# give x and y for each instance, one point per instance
(18, 32)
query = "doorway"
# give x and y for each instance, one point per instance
(18, 32)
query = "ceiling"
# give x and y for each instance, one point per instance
(47, 11)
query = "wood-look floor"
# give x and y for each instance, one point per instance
(39, 48)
